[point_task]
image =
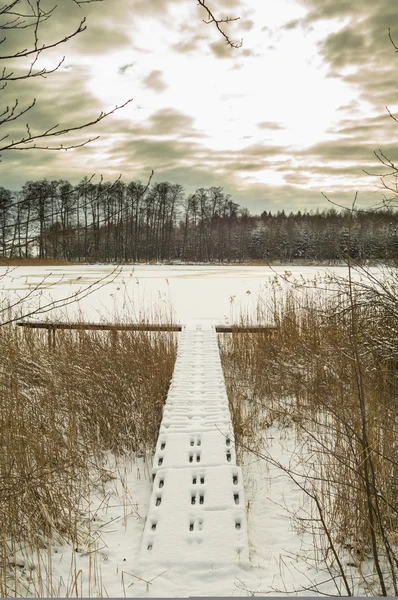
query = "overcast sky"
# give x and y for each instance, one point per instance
(298, 110)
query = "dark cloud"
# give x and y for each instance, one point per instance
(330, 171)
(54, 107)
(134, 150)
(110, 25)
(249, 52)
(348, 150)
(247, 25)
(169, 121)
(370, 129)
(359, 50)
(260, 197)
(351, 107)
(154, 81)
(377, 86)
(344, 47)
(294, 24)
(188, 44)
(270, 125)
(330, 9)
(161, 154)
(221, 49)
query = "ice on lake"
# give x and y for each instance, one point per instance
(185, 293)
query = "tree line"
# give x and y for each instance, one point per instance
(137, 222)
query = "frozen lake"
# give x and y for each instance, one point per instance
(197, 293)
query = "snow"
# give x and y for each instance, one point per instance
(187, 294)
(196, 549)
(196, 513)
(123, 508)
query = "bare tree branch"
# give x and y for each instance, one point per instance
(35, 50)
(21, 14)
(391, 40)
(219, 22)
(26, 142)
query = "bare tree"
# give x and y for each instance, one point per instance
(23, 65)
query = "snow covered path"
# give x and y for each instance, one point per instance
(197, 507)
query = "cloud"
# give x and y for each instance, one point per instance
(260, 197)
(330, 9)
(359, 50)
(169, 121)
(107, 27)
(221, 49)
(348, 150)
(377, 86)
(294, 24)
(370, 129)
(160, 154)
(134, 150)
(192, 43)
(344, 47)
(247, 24)
(270, 125)
(154, 81)
(165, 138)
(53, 105)
(249, 52)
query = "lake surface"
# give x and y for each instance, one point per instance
(187, 293)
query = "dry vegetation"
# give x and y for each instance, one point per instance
(34, 262)
(62, 411)
(330, 375)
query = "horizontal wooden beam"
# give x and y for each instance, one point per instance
(141, 327)
(101, 326)
(245, 328)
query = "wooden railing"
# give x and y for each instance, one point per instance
(115, 327)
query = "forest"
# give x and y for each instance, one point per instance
(160, 222)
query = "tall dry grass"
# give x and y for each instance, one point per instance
(62, 411)
(329, 374)
(35, 262)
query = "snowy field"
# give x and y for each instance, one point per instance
(188, 294)
(184, 293)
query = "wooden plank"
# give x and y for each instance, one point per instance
(245, 329)
(142, 327)
(101, 326)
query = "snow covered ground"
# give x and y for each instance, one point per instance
(118, 510)
(111, 565)
(212, 294)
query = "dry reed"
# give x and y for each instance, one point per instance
(329, 373)
(61, 411)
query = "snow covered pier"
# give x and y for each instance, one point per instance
(197, 506)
